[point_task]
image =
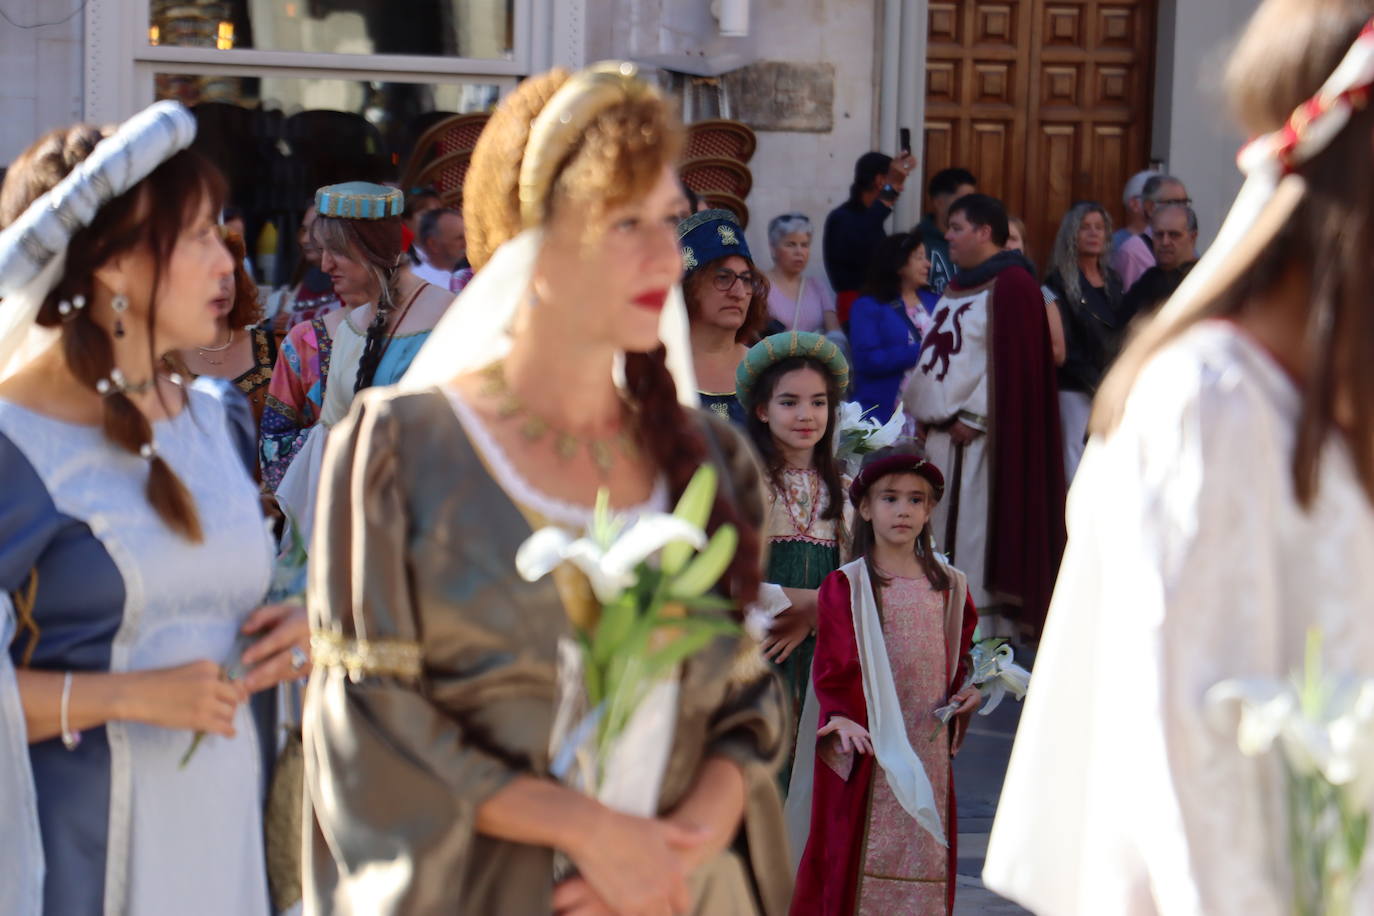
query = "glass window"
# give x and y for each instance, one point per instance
(278, 138)
(480, 29)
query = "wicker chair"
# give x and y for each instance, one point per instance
(724, 200)
(445, 174)
(720, 139)
(705, 175)
(448, 136)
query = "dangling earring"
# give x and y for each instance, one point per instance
(120, 304)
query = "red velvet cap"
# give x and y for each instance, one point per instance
(896, 464)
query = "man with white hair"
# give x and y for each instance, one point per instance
(1137, 254)
(1133, 198)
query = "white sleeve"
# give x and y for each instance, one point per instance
(1121, 797)
(21, 846)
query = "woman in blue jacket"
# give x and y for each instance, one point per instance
(888, 321)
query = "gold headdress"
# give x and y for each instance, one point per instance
(475, 332)
(562, 122)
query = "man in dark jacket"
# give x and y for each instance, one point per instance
(1174, 227)
(854, 228)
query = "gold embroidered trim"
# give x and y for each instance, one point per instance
(360, 657)
(24, 602)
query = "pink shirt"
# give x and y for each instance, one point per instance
(1131, 260)
(809, 313)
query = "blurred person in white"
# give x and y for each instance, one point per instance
(1223, 510)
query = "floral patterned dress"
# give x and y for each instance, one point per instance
(803, 548)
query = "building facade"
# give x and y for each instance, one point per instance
(1047, 101)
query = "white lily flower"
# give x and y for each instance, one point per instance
(1338, 744)
(849, 415)
(886, 435)
(608, 564)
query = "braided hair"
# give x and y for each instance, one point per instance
(128, 223)
(376, 245)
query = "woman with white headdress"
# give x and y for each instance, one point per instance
(561, 370)
(132, 545)
(1224, 508)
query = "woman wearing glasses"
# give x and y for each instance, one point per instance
(795, 302)
(727, 304)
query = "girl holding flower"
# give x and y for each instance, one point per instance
(895, 626)
(790, 384)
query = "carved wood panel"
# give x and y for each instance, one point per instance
(1048, 102)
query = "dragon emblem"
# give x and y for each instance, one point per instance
(942, 344)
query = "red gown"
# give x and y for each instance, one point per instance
(828, 877)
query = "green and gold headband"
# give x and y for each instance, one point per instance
(772, 350)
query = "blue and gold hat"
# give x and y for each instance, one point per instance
(708, 236)
(359, 200)
(772, 350)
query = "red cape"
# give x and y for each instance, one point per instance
(828, 877)
(1026, 535)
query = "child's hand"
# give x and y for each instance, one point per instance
(853, 736)
(789, 630)
(969, 699)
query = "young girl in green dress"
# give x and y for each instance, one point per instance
(790, 386)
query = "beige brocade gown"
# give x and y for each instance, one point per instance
(414, 591)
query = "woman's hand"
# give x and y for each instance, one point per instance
(270, 660)
(635, 865)
(788, 631)
(853, 736)
(575, 897)
(194, 697)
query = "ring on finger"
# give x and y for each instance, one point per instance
(298, 658)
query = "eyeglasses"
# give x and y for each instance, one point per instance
(1175, 201)
(725, 278)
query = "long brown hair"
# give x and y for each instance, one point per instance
(376, 245)
(823, 456)
(617, 159)
(151, 215)
(246, 310)
(1287, 52)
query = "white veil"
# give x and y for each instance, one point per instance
(477, 327)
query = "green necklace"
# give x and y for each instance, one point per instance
(534, 428)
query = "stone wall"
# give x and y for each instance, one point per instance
(1193, 134)
(794, 170)
(40, 72)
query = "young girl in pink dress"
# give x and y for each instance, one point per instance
(894, 629)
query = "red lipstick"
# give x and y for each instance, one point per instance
(652, 300)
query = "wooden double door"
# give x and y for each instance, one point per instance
(1047, 102)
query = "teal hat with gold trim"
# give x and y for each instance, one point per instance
(708, 236)
(772, 350)
(359, 200)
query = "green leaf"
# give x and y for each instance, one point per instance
(694, 508)
(617, 619)
(680, 649)
(708, 566)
